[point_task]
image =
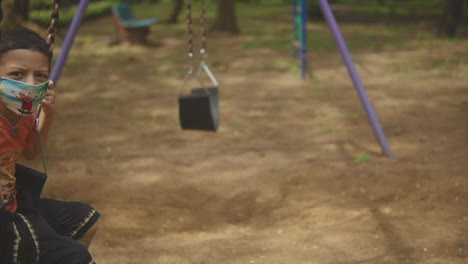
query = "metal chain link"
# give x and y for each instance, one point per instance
(52, 30)
(203, 51)
(189, 29)
(190, 45)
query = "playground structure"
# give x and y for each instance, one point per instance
(300, 34)
(68, 42)
(328, 14)
(300, 30)
(129, 28)
(294, 173)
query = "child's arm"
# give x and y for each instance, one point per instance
(48, 110)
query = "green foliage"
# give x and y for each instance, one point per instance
(363, 157)
(320, 41)
(40, 4)
(46, 4)
(271, 44)
(42, 16)
(248, 10)
(239, 127)
(399, 8)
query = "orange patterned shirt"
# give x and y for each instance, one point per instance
(11, 150)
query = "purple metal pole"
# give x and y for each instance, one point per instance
(327, 12)
(68, 42)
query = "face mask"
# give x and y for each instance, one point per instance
(20, 97)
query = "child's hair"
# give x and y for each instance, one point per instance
(23, 38)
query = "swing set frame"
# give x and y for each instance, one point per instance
(300, 9)
(329, 17)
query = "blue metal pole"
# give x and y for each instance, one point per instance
(304, 39)
(68, 42)
(327, 12)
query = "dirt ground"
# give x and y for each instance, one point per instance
(294, 175)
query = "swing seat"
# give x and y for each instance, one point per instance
(139, 23)
(29, 184)
(199, 110)
(128, 27)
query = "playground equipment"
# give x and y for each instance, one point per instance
(68, 41)
(300, 41)
(198, 110)
(128, 27)
(373, 119)
(300, 33)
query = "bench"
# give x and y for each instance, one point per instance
(128, 27)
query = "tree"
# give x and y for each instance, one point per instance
(14, 12)
(22, 8)
(226, 19)
(173, 17)
(10, 17)
(451, 16)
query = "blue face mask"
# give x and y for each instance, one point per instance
(20, 97)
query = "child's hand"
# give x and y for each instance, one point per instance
(48, 107)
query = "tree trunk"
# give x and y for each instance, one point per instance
(22, 8)
(11, 18)
(453, 10)
(226, 19)
(173, 18)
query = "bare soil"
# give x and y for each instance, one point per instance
(294, 174)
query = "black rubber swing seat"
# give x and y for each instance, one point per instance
(29, 183)
(199, 110)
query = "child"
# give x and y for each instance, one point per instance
(56, 231)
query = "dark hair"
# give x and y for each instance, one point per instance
(23, 38)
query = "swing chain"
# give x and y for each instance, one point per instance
(189, 29)
(203, 50)
(52, 30)
(203, 47)
(190, 45)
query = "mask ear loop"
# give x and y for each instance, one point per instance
(52, 32)
(40, 144)
(2, 203)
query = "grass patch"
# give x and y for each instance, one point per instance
(239, 127)
(320, 42)
(96, 9)
(275, 44)
(392, 8)
(263, 11)
(361, 158)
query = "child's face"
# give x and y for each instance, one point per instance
(24, 65)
